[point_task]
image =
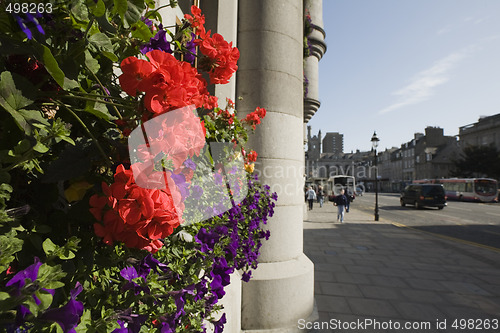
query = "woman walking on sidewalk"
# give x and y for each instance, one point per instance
(341, 203)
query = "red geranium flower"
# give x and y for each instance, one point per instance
(196, 20)
(220, 57)
(136, 216)
(253, 118)
(168, 83)
(252, 156)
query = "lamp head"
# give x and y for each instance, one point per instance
(375, 140)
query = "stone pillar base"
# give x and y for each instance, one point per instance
(279, 294)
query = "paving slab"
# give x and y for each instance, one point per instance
(366, 270)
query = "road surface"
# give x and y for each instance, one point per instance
(468, 221)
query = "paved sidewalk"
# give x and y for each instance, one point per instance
(395, 276)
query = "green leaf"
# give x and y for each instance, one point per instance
(134, 11)
(140, 30)
(22, 146)
(33, 115)
(102, 43)
(104, 25)
(91, 63)
(45, 299)
(79, 10)
(53, 285)
(121, 7)
(51, 65)
(49, 276)
(11, 97)
(151, 3)
(66, 255)
(70, 84)
(98, 9)
(85, 322)
(32, 306)
(9, 245)
(3, 296)
(40, 147)
(48, 246)
(42, 229)
(99, 110)
(110, 55)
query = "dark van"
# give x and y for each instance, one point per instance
(420, 195)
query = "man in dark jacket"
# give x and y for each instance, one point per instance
(341, 203)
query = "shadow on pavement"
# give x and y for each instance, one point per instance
(375, 271)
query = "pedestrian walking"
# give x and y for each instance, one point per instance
(311, 196)
(350, 198)
(321, 196)
(341, 203)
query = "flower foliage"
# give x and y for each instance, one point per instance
(124, 201)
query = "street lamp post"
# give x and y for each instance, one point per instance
(375, 141)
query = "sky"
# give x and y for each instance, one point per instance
(399, 66)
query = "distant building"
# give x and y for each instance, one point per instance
(486, 131)
(435, 154)
(333, 143)
(426, 156)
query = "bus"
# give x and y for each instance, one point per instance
(337, 183)
(467, 189)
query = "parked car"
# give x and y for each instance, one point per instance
(424, 195)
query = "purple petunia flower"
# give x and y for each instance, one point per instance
(150, 262)
(196, 192)
(23, 23)
(201, 290)
(190, 164)
(221, 276)
(218, 179)
(130, 273)
(129, 322)
(18, 281)
(67, 316)
(158, 42)
(246, 276)
(147, 21)
(219, 324)
(166, 328)
(191, 48)
(182, 185)
(207, 239)
(30, 272)
(123, 327)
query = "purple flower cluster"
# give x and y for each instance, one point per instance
(25, 282)
(67, 316)
(242, 247)
(158, 42)
(28, 20)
